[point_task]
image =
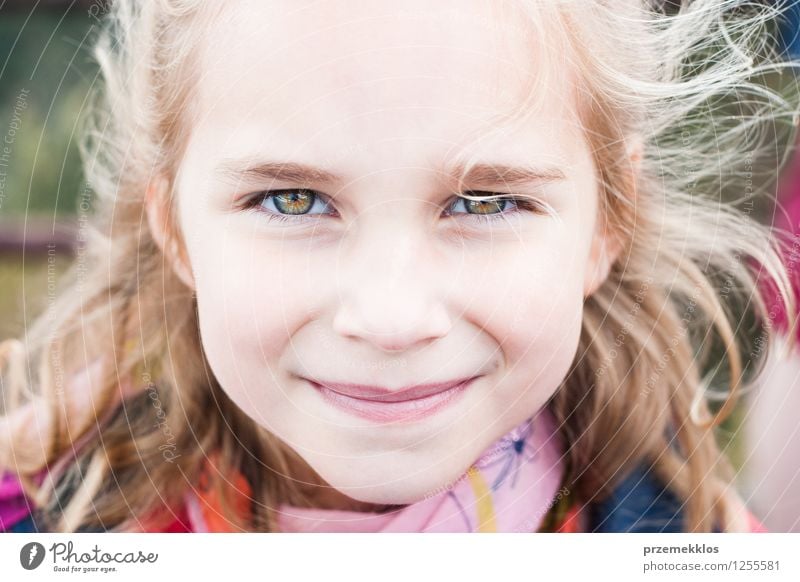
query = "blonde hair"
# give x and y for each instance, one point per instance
(639, 389)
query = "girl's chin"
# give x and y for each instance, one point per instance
(395, 487)
(383, 497)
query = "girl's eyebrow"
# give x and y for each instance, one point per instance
(477, 175)
(488, 175)
(237, 170)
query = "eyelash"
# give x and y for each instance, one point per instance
(522, 204)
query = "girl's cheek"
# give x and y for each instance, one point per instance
(539, 336)
(538, 320)
(539, 351)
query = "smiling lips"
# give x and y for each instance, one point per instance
(383, 405)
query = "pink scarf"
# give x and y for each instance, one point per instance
(510, 488)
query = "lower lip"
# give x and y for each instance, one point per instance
(402, 411)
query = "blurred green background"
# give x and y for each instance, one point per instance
(46, 72)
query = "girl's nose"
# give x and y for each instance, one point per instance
(390, 325)
(390, 293)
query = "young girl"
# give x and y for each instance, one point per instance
(451, 266)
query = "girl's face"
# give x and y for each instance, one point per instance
(327, 242)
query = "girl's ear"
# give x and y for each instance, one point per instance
(605, 250)
(606, 246)
(635, 149)
(163, 231)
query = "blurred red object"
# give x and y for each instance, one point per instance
(786, 225)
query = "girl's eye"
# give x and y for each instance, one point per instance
(495, 207)
(296, 204)
(289, 205)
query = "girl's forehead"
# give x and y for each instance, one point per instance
(375, 70)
